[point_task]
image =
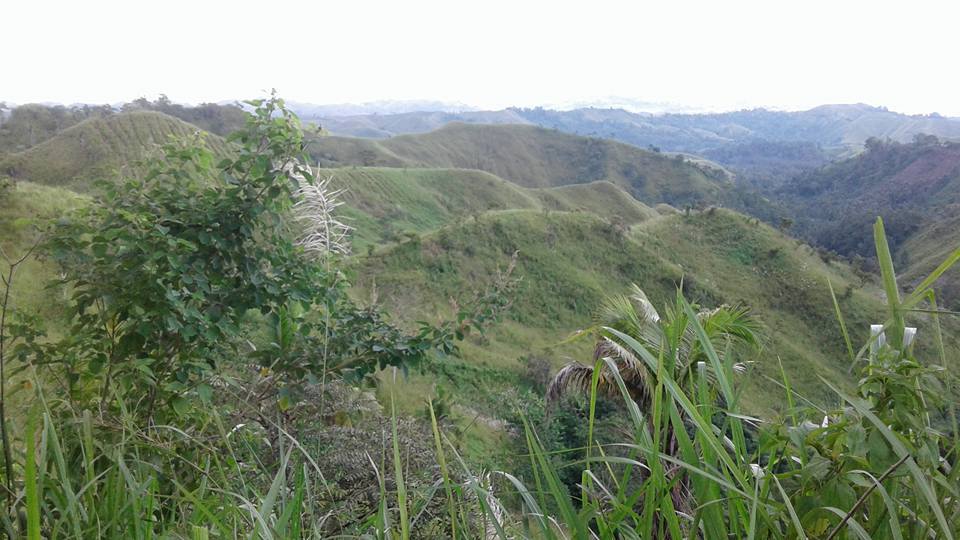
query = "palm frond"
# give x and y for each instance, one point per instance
(640, 299)
(734, 322)
(572, 378)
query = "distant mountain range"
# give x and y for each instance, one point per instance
(835, 127)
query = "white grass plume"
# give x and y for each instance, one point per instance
(315, 208)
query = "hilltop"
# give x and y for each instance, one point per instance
(98, 148)
(761, 146)
(27, 125)
(536, 157)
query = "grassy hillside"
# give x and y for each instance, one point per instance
(27, 125)
(569, 261)
(925, 249)
(535, 157)
(220, 119)
(382, 126)
(25, 210)
(98, 148)
(384, 203)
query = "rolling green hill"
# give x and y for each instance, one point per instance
(570, 261)
(535, 157)
(27, 125)
(98, 148)
(384, 203)
(831, 126)
(445, 209)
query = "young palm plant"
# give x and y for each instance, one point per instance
(671, 336)
(637, 353)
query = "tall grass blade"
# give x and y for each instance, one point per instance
(843, 325)
(889, 284)
(692, 411)
(30, 479)
(442, 461)
(398, 472)
(265, 509)
(794, 518)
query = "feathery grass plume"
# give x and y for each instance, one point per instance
(315, 208)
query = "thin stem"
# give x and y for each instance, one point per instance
(863, 498)
(4, 433)
(7, 458)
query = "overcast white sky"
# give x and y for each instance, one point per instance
(492, 53)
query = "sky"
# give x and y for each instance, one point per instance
(710, 54)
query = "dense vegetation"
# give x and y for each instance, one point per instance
(205, 366)
(27, 125)
(212, 117)
(914, 186)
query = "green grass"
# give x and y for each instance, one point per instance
(96, 473)
(924, 250)
(98, 149)
(570, 261)
(383, 203)
(534, 157)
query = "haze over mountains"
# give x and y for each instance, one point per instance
(833, 126)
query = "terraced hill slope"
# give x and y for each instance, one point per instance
(536, 157)
(98, 148)
(384, 203)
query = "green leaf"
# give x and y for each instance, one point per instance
(889, 284)
(181, 405)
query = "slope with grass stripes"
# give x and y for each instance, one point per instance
(384, 203)
(98, 148)
(536, 157)
(26, 209)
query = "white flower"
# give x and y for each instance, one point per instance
(909, 333)
(876, 332)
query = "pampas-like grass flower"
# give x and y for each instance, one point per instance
(315, 209)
